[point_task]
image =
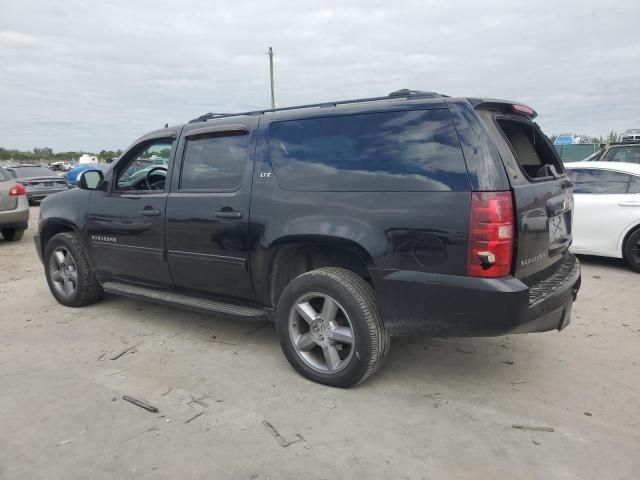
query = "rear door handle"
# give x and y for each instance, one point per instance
(228, 214)
(630, 203)
(149, 212)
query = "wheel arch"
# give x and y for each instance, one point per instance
(53, 227)
(625, 236)
(294, 255)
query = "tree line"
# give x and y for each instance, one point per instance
(46, 154)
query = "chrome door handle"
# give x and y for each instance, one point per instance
(149, 213)
(228, 214)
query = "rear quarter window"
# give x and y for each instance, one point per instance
(4, 175)
(392, 151)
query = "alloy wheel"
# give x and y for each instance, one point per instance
(63, 272)
(321, 332)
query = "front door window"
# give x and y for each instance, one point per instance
(146, 170)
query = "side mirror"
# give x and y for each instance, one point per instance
(90, 180)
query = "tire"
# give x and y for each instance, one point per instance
(632, 250)
(12, 234)
(310, 337)
(85, 289)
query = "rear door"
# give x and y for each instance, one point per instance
(542, 192)
(208, 210)
(605, 206)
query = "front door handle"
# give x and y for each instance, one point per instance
(149, 212)
(224, 213)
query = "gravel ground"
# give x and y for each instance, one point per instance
(438, 408)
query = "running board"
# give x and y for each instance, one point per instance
(185, 301)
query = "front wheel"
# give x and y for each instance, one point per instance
(68, 273)
(329, 327)
(632, 250)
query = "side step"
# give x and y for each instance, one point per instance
(185, 301)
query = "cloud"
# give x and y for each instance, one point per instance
(91, 75)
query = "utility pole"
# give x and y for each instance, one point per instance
(273, 95)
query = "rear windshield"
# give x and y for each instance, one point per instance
(4, 175)
(393, 151)
(623, 154)
(23, 172)
(531, 149)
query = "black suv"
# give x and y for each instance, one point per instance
(345, 223)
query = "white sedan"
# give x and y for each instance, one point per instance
(607, 210)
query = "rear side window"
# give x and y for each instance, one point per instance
(214, 162)
(623, 154)
(532, 151)
(394, 151)
(4, 175)
(598, 181)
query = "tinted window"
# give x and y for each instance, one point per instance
(624, 154)
(598, 181)
(395, 151)
(634, 186)
(214, 163)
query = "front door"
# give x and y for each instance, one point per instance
(126, 223)
(208, 211)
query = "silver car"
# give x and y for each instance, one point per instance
(14, 207)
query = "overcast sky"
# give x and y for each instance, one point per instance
(95, 75)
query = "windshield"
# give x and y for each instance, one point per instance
(22, 172)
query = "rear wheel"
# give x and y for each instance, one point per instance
(68, 273)
(632, 250)
(329, 327)
(12, 234)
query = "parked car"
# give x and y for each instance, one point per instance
(72, 175)
(607, 210)
(14, 207)
(60, 167)
(345, 223)
(617, 152)
(631, 135)
(38, 181)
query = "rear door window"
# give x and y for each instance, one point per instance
(598, 181)
(392, 151)
(214, 163)
(634, 185)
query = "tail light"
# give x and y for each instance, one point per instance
(491, 234)
(17, 190)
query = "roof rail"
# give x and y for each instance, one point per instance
(403, 93)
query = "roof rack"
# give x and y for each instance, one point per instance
(403, 93)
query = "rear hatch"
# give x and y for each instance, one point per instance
(6, 182)
(542, 192)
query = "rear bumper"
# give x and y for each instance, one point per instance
(44, 192)
(17, 217)
(419, 303)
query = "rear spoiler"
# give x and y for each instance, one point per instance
(504, 106)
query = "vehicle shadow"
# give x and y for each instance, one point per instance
(410, 360)
(592, 260)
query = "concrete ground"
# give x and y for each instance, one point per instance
(438, 408)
